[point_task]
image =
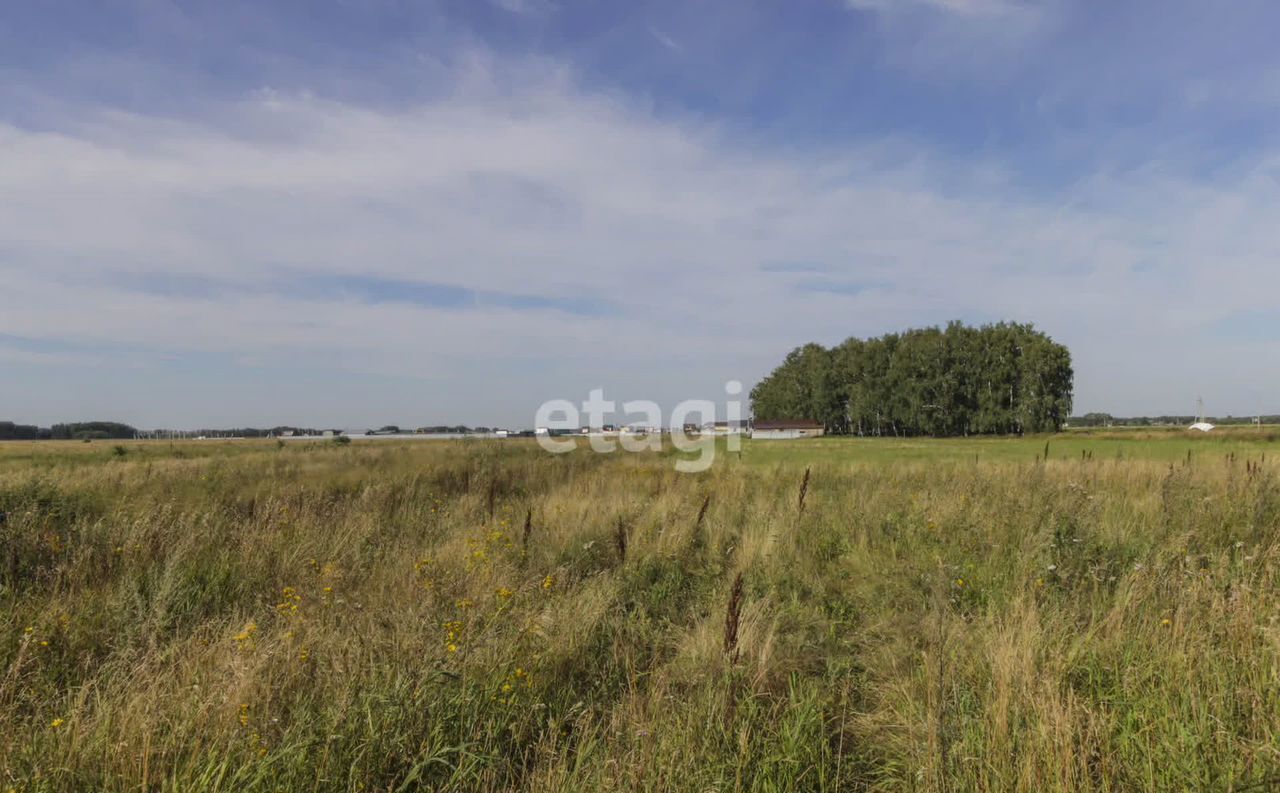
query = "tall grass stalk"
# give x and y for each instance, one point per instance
(243, 617)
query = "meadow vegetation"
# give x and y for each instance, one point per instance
(818, 615)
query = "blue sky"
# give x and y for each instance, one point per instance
(347, 213)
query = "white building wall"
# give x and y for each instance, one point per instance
(783, 435)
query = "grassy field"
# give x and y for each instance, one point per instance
(834, 614)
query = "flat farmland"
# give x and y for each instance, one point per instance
(831, 614)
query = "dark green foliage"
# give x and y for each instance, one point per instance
(1006, 378)
(41, 520)
(92, 429)
(21, 432)
(804, 386)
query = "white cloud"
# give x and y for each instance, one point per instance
(664, 39)
(526, 7)
(989, 8)
(954, 41)
(555, 192)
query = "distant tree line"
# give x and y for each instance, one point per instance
(92, 429)
(256, 432)
(114, 430)
(9, 431)
(23, 432)
(1004, 378)
(445, 429)
(1108, 420)
(436, 429)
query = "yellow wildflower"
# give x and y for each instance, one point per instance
(56, 723)
(289, 601)
(246, 635)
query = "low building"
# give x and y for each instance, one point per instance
(786, 429)
(725, 427)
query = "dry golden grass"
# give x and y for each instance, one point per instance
(314, 617)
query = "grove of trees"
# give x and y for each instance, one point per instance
(91, 429)
(1004, 378)
(10, 431)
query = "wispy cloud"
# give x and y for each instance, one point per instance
(794, 267)
(526, 7)
(836, 286)
(958, 40)
(664, 39)
(980, 8)
(369, 290)
(593, 241)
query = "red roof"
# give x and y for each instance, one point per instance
(788, 424)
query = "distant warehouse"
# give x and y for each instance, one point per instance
(786, 429)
